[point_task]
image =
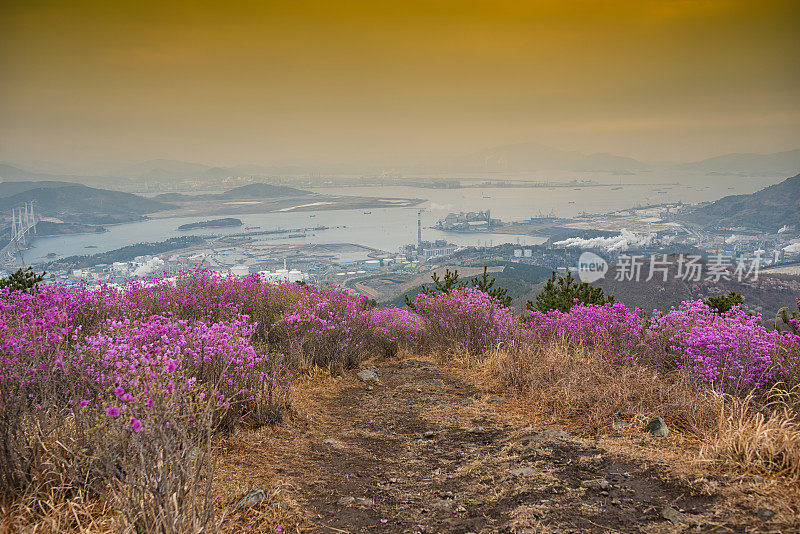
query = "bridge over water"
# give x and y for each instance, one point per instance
(23, 228)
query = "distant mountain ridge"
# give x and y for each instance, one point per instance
(519, 157)
(8, 189)
(165, 169)
(160, 169)
(768, 209)
(77, 203)
(535, 157)
(524, 157)
(9, 172)
(781, 163)
(245, 192)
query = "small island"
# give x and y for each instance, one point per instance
(215, 223)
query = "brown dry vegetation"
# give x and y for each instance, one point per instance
(718, 444)
(582, 389)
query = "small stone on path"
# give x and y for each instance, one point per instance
(544, 435)
(672, 515)
(330, 442)
(657, 427)
(253, 497)
(523, 471)
(370, 374)
(765, 514)
(597, 483)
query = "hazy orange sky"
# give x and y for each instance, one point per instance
(394, 81)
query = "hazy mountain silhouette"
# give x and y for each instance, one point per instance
(8, 189)
(162, 169)
(535, 157)
(779, 163)
(520, 157)
(9, 172)
(245, 192)
(768, 209)
(79, 203)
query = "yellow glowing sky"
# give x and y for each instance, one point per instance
(394, 81)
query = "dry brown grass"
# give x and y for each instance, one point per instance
(53, 503)
(57, 511)
(570, 383)
(762, 440)
(579, 388)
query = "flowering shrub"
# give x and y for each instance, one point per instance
(611, 328)
(730, 352)
(112, 388)
(138, 361)
(124, 387)
(329, 326)
(395, 325)
(467, 320)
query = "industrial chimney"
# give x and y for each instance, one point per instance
(419, 230)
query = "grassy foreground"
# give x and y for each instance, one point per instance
(120, 406)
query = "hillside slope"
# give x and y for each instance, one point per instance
(8, 189)
(780, 163)
(82, 204)
(768, 209)
(245, 192)
(534, 157)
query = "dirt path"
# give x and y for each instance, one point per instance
(424, 451)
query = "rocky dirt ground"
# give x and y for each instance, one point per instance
(425, 449)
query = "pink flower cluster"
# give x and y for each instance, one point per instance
(395, 325)
(127, 368)
(206, 338)
(731, 352)
(329, 324)
(144, 363)
(468, 320)
(611, 328)
(198, 338)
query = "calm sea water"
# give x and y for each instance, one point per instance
(389, 228)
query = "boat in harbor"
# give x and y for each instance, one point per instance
(296, 235)
(252, 227)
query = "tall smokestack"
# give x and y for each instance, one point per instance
(419, 229)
